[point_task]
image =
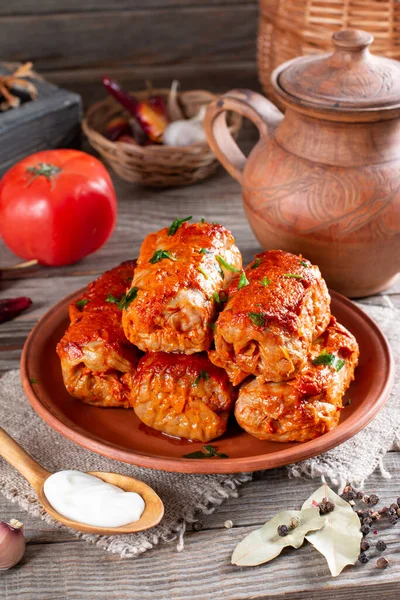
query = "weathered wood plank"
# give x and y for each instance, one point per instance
(140, 37)
(26, 7)
(390, 299)
(75, 571)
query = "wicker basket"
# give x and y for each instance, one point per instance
(290, 28)
(157, 165)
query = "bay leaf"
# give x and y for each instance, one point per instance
(264, 544)
(339, 539)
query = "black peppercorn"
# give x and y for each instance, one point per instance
(393, 519)
(197, 525)
(359, 495)
(373, 499)
(365, 529)
(394, 506)
(348, 493)
(283, 530)
(294, 522)
(365, 499)
(380, 545)
(363, 558)
(326, 506)
(382, 562)
(364, 545)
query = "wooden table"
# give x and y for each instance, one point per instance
(58, 566)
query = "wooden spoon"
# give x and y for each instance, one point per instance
(36, 475)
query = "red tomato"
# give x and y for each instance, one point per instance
(57, 206)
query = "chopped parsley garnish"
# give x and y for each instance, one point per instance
(331, 360)
(220, 298)
(202, 220)
(205, 251)
(202, 375)
(206, 452)
(112, 299)
(303, 262)
(125, 300)
(202, 271)
(33, 380)
(243, 281)
(220, 271)
(159, 255)
(176, 224)
(217, 298)
(256, 263)
(293, 275)
(211, 326)
(265, 281)
(82, 303)
(226, 265)
(257, 318)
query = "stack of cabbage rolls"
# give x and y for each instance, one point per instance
(186, 338)
(277, 336)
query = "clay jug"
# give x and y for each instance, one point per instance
(324, 179)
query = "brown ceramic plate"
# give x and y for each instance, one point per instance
(117, 433)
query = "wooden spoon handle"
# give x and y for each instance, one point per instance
(18, 458)
(250, 105)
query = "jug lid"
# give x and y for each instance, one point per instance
(348, 80)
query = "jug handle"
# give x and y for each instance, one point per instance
(251, 105)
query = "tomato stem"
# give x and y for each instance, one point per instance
(47, 170)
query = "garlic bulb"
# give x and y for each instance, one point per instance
(12, 544)
(186, 131)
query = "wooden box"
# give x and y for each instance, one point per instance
(50, 121)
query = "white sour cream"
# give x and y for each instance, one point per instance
(88, 499)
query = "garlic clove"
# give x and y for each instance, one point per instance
(175, 112)
(200, 115)
(186, 131)
(12, 544)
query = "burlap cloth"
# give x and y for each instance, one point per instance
(184, 496)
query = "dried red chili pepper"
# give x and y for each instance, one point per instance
(12, 307)
(117, 127)
(150, 119)
(158, 103)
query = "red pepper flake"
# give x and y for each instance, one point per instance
(315, 503)
(375, 532)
